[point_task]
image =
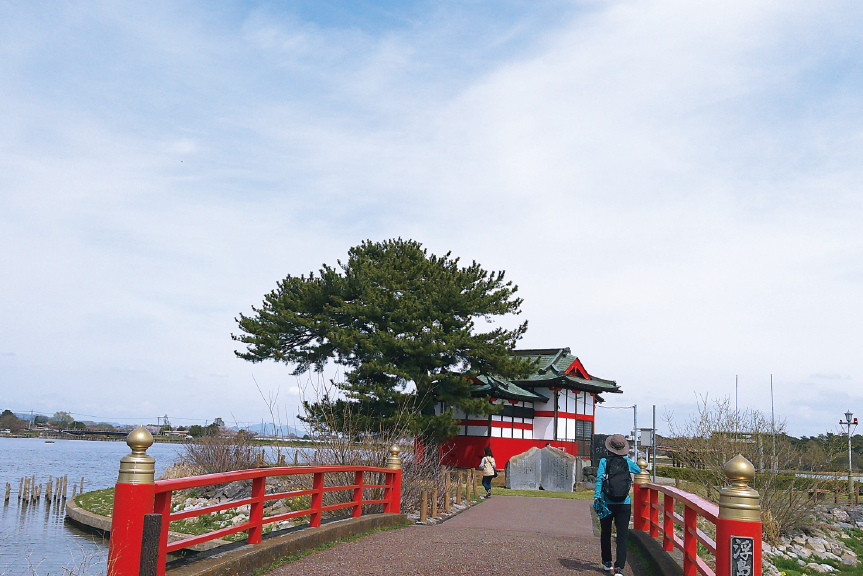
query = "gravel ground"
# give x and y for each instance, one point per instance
(504, 535)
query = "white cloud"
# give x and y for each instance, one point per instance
(673, 186)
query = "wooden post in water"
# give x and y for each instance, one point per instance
(8, 491)
(65, 486)
(26, 492)
(38, 492)
(81, 490)
(424, 504)
(295, 456)
(50, 486)
(434, 503)
(20, 488)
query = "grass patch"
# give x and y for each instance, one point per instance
(583, 495)
(303, 553)
(98, 501)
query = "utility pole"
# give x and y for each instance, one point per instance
(773, 426)
(635, 429)
(847, 424)
(653, 434)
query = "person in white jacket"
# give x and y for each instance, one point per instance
(487, 465)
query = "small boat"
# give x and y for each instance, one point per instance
(49, 441)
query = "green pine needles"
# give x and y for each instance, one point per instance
(402, 323)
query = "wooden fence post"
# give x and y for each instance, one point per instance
(424, 503)
(447, 490)
(434, 503)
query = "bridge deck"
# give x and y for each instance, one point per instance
(505, 535)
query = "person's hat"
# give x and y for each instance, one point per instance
(617, 444)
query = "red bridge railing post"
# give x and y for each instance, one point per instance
(162, 506)
(358, 494)
(667, 523)
(256, 510)
(641, 498)
(133, 498)
(317, 499)
(738, 527)
(393, 492)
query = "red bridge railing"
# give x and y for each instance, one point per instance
(737, 518)
(137, 494)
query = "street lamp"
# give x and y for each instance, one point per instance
(847, 424)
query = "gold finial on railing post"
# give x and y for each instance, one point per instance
(738, 527)
(138, 467)
(134, 496)
(739, 501)
(642, 477)
(394, 482)
(393, 460)
(640, 504)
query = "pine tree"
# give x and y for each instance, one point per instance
(402, 322)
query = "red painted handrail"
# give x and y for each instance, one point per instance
(647, 513)
(255, 525)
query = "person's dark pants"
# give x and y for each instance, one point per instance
(620, 514)
(486, 483)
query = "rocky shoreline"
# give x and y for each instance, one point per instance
(813, 546)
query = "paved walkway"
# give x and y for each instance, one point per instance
(506, 535)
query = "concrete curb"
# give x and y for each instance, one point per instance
(660, 562)
(85, 519)
(240, 559)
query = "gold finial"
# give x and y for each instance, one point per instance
(739, 501)
(139, 440)
(138, 467)
(393, 460)
(642, 477)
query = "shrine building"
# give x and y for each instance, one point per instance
(554, 406)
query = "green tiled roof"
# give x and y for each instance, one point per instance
(499, 388)
(553, 363)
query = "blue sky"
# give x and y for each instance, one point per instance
(675, 188)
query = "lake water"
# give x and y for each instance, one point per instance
(34, 539)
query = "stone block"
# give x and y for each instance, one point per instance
(560, 470)
(523, 472)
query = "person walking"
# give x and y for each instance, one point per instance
(487, 466)
(611, 500)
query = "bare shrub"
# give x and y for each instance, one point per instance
(342, 441)
(719, 432)
(214, 454)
